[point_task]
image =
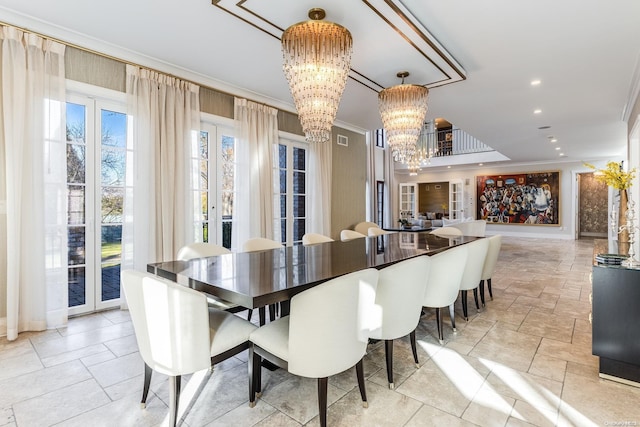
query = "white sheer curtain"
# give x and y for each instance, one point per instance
(390, 187)
(257, 134)
(33, 139)
(319, 197)
(159, 203)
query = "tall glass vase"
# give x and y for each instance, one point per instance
(623, 234)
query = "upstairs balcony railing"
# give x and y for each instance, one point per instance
(449, 142)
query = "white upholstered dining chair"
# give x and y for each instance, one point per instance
(316, 342)
(446, 231)
(346, 235)
(443, 283)
(363, 227)
(314, 238)
(177, 333)
(477, 253)
(399, 297)
(495, 243)
(377, 231)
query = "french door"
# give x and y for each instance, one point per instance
(456, 200)
(96, 152)
(216, 189)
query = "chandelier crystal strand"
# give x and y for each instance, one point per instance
(316, 62)
(403, 108)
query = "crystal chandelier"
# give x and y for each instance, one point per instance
(427, 145)
(316, 60)
(414, 166)
(403, 108)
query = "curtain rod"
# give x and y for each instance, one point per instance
(123, 61)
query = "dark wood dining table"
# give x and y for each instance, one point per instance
(257, 279)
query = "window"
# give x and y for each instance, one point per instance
(380, 138)
(96, 152)
(216, 192)
(380, 203)
(290, 179)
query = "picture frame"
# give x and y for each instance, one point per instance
(531, 198)
(343, 140)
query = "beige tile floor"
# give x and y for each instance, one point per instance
(523, 360)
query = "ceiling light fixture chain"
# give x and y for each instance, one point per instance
(403, 109)
(316, 62)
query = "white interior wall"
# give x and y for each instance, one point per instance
(568, 191)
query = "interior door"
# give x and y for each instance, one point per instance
(456, 199)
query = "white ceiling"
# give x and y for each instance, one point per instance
(585, 52)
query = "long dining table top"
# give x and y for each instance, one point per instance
(256, 279)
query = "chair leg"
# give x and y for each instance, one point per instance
(322, 400)
(388, 352)
(414, 348)
(145, 389)
(254, 366)
(475, 297)
(465, 310)
(489, 286)
(439, 324)
(453, 318)
(249, 314)
(360, 375)
(272, 312)
(263, 316)
(174, 398)
(482, 291)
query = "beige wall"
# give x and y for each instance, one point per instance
(348, 200)
(431, 198)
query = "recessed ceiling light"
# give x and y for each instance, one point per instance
(480, 164)
(448, 167)
(538, 111)
(561, 154)
(535, 82)
(553, 140)
(557, 148)
(544, 127)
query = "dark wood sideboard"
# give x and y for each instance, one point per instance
(616, 319)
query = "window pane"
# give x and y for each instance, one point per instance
(110, 282)
(204, 144)
(112, 203)
(298, 229)
(113, 167)
(76, 123)
(76, 288)
(299, 182)
(204, 204)
(283, 206)
(226, 233)
(76, 204)
(111, 244)
(76, 163)
(298, 158)
(283, 180)
(114, 128)
(204, 174)
(76, 242)
(299, 206)
(283, 230)
(282, 156)
(227, 204)
(111, 249)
